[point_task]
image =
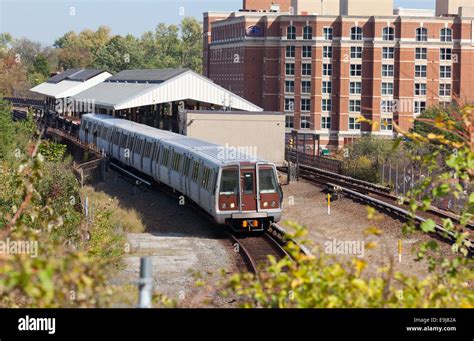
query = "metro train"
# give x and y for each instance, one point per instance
(233, 188)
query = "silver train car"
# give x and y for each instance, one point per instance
(233, 188)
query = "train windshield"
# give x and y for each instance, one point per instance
(267, 181)
(229, 182)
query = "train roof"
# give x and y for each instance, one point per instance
(222, 155)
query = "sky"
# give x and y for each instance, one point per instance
(47, 20)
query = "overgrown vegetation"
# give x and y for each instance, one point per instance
(322, 281)
(70, 256)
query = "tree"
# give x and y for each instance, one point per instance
(120, 53)
(7, 129)
(191, 46)
(79, 50)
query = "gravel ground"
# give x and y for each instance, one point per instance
(306, 204)
(181, 242)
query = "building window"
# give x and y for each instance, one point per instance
(420, 53)
(327, 87)
(354, 123)
(420, 89)
(327, 51)
(386, 124)
(327, 33)
(355, 88)
(290, 69)
(445, 89)
(356, 33)
(388, 33)
(289, 104)
(290, 52)
(445, 54)
(307, 32)
(325, 122)
(289, 121)
(306, 87)
(445, 71)
(420, 106)
(388, 53)
(306, 69)
(356, 70)
(305, 122)
(291, 32)
(421, 34)
(326, 105)
(327, 69)
(356, 52)
(305, 104)
(354, 105)
(386, 106)
(387, 88)
(289, 86)
(387, 70)
(420, 71)
(306, 52)
(446, 34)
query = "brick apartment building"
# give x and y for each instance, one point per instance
(328, 62)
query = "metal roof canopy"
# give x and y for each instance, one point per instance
(138, 88)
(70, 82)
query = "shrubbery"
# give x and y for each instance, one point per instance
(40, 204)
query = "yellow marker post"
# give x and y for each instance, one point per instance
(399, 250)
(329, 204)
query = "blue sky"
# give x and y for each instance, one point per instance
(44, 21)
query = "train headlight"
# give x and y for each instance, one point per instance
(265, 204)
(224, 206)
(232, 205)
(273, 203)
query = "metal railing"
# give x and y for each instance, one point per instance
(320, 162)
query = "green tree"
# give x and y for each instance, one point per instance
(7, 129)
(120, 53)
(191, 45)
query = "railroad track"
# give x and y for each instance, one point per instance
(256, 249)
(380, 198)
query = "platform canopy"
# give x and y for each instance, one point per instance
(140, 88)
(71, 82)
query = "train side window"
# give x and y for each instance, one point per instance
(195, 173)
(176, 161)
(152, 150)
(187, 161)
(166, 154)
(158, 153)
(131, 143)
(205, 177)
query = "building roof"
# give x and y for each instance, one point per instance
(137, 88)
(147, 75)
(70, 82)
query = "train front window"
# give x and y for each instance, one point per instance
(248, 183)
(229, 182)
(267, 182)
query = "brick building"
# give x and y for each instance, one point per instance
(327, 63)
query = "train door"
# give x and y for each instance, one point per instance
(249, 188)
